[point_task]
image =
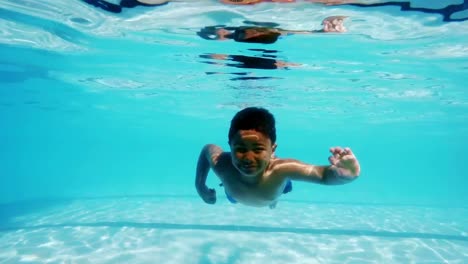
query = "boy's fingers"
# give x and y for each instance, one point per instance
(348, 152)
(340, 151)
(210, 199)
(334, 149)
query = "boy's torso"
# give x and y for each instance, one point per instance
(268, 188)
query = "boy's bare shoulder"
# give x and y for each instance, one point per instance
(224, 165)
(224, 159)
(287, 165)
(281, 161)
(226, 155)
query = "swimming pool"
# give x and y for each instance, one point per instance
(103, 116)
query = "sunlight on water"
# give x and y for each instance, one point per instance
(185, 18)
(75, 27)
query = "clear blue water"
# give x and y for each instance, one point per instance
(103, 117)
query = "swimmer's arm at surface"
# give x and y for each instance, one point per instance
(329, 24)
(292, 32)
(208, 158)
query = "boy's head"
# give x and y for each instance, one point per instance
(252, 138)
(253, 118)
(257, 35)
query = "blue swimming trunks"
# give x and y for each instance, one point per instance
(287, 189)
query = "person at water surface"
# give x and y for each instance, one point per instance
(265, 32)
(251, 173)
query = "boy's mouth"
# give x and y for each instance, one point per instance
(249, 168)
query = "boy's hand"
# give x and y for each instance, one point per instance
(334, 24)
(344, 160)
(208, 195)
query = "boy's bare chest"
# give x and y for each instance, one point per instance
(264, 189)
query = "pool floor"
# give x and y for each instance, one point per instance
(185, 230)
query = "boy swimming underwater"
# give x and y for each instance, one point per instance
(252, 175)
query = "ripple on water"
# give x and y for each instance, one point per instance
(371, 22)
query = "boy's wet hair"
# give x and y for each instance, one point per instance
(256, 118)
(265, 35)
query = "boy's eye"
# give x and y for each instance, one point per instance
(242, 150)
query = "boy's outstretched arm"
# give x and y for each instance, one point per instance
(207, 159)
(344, 168)
(329, 24)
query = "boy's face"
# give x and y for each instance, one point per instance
(251, 152)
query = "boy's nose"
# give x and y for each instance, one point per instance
(246, 161)
(249, 157)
